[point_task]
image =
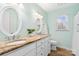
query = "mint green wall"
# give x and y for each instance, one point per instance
(27, 18)
(64, 38)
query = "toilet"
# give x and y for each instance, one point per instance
(53, 44)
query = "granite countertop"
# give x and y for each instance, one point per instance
(6, 47)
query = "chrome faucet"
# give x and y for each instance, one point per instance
(11, 38)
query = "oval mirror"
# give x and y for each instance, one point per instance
(39, 24)
(38, 20)
(10, 20)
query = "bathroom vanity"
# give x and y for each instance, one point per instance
(38, 45)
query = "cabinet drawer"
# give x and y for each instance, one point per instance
(31, 53)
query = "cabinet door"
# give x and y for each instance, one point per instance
(31, 53)
(46, 46)
(40, 51)
(43, 47)
(22, 50)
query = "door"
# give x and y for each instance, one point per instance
(75, 43)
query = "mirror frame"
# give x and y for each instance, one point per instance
(15, 7)
(35, 16)
(41, 25)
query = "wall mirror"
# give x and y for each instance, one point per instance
(38, 21)
(10, 20)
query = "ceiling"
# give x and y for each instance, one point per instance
(52, 6)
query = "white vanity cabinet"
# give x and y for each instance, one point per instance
(43, 47)
(23, 51)
(38, 48)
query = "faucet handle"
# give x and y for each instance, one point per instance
(13, 36)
